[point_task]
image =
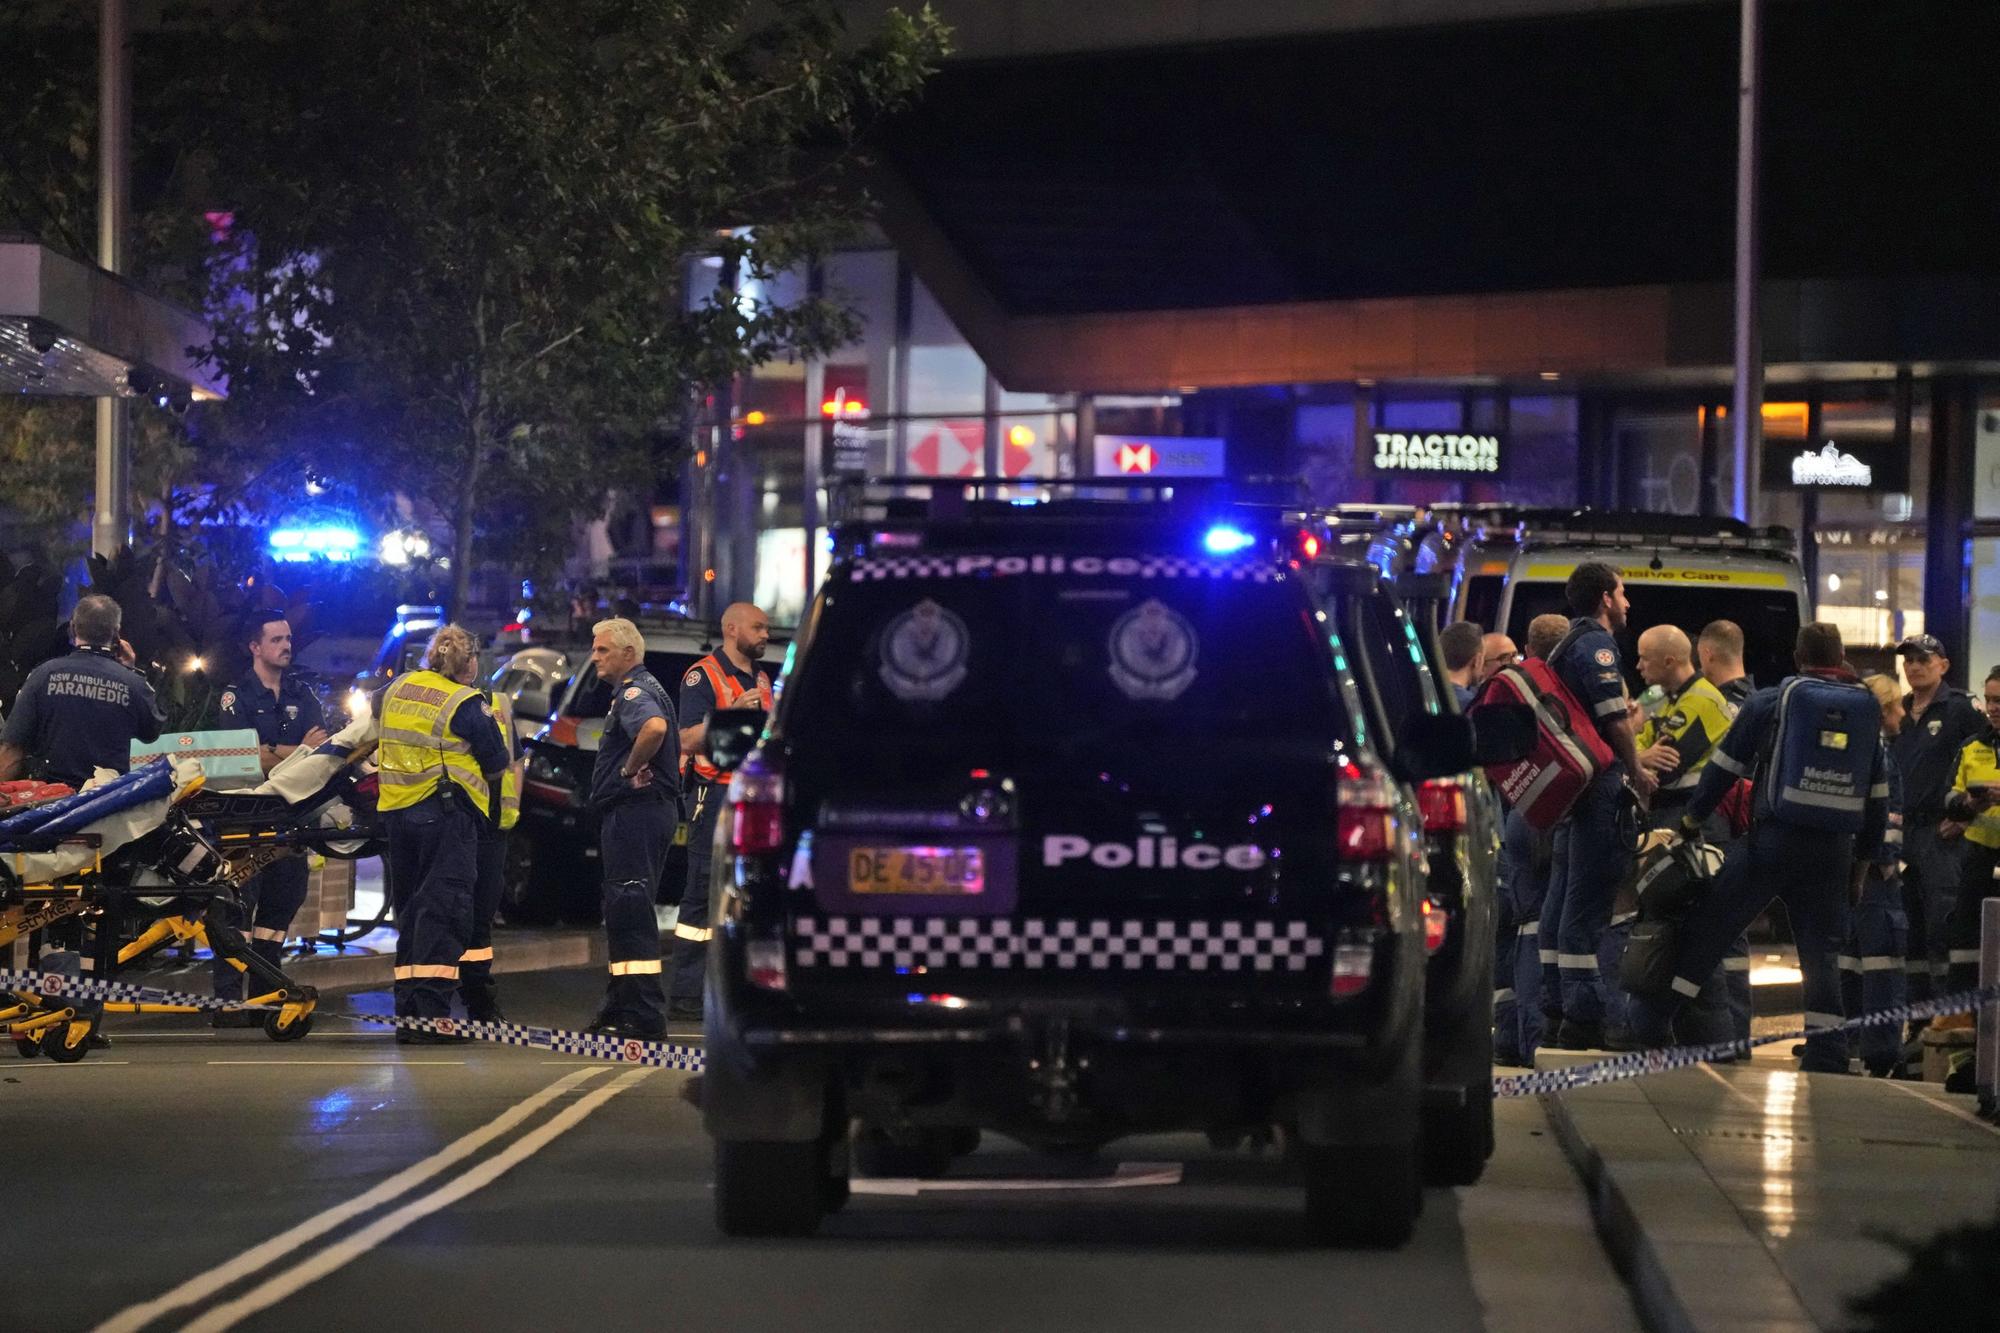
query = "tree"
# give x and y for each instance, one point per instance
(463, 225)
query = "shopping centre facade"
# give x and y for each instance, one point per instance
(1421, 252)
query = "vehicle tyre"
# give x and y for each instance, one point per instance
(1459, 1139)
(527, 897)
(296, 1032)
(919, 1154)
(56, 1045)
(771, 1189)
(1361, 1197)
(28, 1047)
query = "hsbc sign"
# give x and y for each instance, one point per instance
(1159, 456)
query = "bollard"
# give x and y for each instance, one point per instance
(1986, 1058)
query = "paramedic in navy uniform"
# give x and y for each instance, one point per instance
(82, 712)
(1815, 871)
(1593, 851)
(285, 714)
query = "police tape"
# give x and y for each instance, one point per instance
(667, 1055)
(561, 1041)
(1636, 1064)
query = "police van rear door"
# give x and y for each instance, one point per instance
(1129, 747)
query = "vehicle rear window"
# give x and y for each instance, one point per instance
(1769, 618)
(1004, 668)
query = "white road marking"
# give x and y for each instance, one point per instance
(204, 1285)
(1129, 1175)
(1732, 1089)
(319, 1064)
(340, 1254)
(1944, 1106)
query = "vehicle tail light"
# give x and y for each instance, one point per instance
(756, 808)
(1441, 801)
(1353, 963)
(1436, 922)
(1366, 818)
(764, 963)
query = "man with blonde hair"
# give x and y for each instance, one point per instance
(635, 789)
(442, 759)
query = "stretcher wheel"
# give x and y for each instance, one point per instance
(293, 1033)
(56, 1046)
(28, 1046)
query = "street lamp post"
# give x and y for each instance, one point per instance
(111, 523)
(1747, 407)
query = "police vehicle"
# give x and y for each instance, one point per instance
(1678, 570)
(1389, 629)
(1071, 823)
(552, 858)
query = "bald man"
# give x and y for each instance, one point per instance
(1496, 651)
(1676, 742)
(726, 678)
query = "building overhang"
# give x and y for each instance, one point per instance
(69, 329)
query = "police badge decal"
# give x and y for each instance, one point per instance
(923, 653)
(1152, 650)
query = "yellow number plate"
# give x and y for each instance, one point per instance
(931, 870)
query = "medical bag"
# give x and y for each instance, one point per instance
(1567, 752)
(1820, 755)
(1669, 878)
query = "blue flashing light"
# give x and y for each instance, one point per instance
(1225, 540)
(295, 545)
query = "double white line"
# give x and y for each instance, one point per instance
(331, 1258)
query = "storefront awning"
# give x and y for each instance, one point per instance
(69, 329)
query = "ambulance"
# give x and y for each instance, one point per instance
(1679, 570)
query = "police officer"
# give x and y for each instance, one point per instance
(635, 789)
(1596, 842)
(442, 759)
(285, 714)
(1938, 719)
(476, 987)
(82, 712)
(725, 679)
(1812, 870)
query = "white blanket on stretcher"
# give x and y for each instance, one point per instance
(113, 831)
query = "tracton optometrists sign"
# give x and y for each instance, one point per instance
(1463, 454)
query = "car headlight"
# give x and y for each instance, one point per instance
(357, 705)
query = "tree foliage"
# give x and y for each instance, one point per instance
(468, 223)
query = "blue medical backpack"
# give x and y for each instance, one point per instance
(1820, 755)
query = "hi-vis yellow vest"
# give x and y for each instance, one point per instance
(418, 749)
(510, 781)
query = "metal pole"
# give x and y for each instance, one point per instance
(111, 522)
(1748, 404)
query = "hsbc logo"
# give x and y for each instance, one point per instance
(1151, 853)
(1136, 457)
(1158, 456)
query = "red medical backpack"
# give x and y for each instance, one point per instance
(1567, 753)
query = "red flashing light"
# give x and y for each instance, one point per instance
(1308, 545)
(1436, 922)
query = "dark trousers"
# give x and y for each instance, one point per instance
(1517, 961)
(692, 930)
(475, 966)
(1596, 852)
(1975, 886)
(433, 862)
(1806, 870)
(1932, 869)
(1871, 969)
(273, 895)
(1721, 1012)
(633, 838)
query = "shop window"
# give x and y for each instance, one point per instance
(946, 375)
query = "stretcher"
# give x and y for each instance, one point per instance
(152, 859)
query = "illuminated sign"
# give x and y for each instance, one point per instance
(1830, 467)
(1437, 451)
(296, 545)
(1159, 456)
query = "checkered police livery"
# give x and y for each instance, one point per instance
(1063, 944)
(872, 568)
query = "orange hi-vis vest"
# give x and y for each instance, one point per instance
(727, 690)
